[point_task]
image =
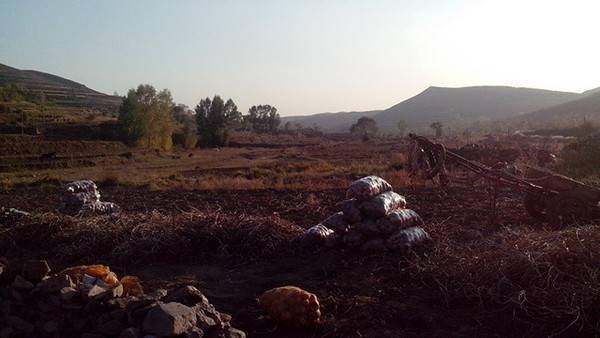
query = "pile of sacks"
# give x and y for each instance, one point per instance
(91, 302)
(373, 218)
(82, 197)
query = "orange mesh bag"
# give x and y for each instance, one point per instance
(132, 286)
(291, 306)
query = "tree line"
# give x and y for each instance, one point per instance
(366, 128)
(149, 118)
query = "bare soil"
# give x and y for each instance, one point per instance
(507, 276)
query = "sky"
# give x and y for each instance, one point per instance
(305, 56)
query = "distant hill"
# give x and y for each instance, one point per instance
(330, 122)
(591, 91)
(65, 93)
(568, 114)
(454, 107)
(460, 107)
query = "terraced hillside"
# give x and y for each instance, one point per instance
(66, 94)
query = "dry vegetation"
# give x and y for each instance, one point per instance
(227, 220)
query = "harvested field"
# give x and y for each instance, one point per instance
(539, 280)
(235, 240)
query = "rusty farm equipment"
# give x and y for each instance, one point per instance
(547, 195)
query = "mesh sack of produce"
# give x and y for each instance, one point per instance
(99, 271)
(350, 210)
(407, 239)
(374, 245)
(81, 186)
(383, 204)
(291, 306)
(353, 239)
(81, 198)
(367, 227)
(318, 235)
(397, 220)
(367, 187)
(99, 208)
(336, 222)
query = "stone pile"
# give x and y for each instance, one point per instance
(373, 218)
(83, 197)
(91, 302)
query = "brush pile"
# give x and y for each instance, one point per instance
(373, 218)
(90, 301)
(83, 197)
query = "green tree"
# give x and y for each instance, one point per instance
(215, 119)
(438, 128)
(365, 127)
(233, 117)
(402, 126)
(262, 119)
(13, 93)
(146, 117)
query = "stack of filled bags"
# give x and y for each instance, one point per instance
(373, 218)
(83, 197)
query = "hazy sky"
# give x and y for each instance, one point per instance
(306, 56)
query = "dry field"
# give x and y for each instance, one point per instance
(228, 220)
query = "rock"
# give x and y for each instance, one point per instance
(67, 294)
(158, 293)
(118, 303)
(35, 270)
(54, 284)
(19, 324)
(16, 295)
(111, 327)
(6, 332)
(44, 306)
(5, 308)
(50, 326)
(186, 295)
(207, 317)
(22, 284)
(92, 335)
(138, 309)
(235, 333)
(374, 245)
(3, 266)
(131, 332)
(194, 333)
(99, 290)
(169, 319)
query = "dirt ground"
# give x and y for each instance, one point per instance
(508, 276)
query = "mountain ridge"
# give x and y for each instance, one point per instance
(455, 107)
